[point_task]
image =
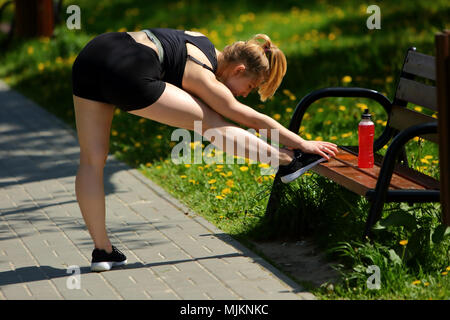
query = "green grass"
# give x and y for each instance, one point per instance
(327, 44)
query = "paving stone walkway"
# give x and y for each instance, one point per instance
(171, 254)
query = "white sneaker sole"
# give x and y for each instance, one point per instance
(105, 266)
(294, 175)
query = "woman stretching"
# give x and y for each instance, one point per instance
(174, 77)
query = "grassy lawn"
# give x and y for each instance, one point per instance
(327, 44)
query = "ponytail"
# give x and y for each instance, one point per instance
(263, 59)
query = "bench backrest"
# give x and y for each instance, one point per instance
(412, 89)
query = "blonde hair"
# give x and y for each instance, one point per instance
(262, 59)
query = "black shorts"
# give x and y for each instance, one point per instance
(115, 69)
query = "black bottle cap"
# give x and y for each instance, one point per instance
(366, 114)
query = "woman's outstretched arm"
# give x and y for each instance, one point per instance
(219, 97)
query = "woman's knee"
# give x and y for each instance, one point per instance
(94, 158)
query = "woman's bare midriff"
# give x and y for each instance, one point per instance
(141, 37)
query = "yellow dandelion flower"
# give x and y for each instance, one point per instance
(308, 136)
(362, 106)
(137, 145)
(444, 273)
(318, 138)
(342, 108)
(148, 164)
(220, 197)
(428, 157)
(226, 191)
(183, 176)
(218, 169)
(424, 161)
(418, 109)
(122, 30)
(416, 139)
(426, 284)
(187, 165)
(159, 137)
(158, 167)
(328, 122)
(212, 181)
(213, 188)
(289, 109)
(331, 36)
(320, 110)
(192, 181)
(30, 50)
(223, 174)
(263, 165)
(434, 115)
(259, 179)
(403, 242)
(114, 133)
(229, 173)
(243, 168)
(448, 268)
(389, 79)
(346, 135)
(346, 79)
(41, 66)
(230, 183)
(416, 282)
(277, 116)
(333, 138)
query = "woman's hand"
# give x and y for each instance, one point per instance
(322, 148)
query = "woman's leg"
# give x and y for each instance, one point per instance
(179, 109)
(93, 121)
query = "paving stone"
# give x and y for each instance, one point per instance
(172, 252)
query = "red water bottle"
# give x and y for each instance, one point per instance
(366, 131)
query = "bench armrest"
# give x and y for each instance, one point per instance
(309, 99)
(388, 165)
(396, 146)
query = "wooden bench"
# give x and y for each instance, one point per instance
(391, 180)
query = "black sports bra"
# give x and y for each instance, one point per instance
(175, 52)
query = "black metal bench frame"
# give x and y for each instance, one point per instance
(394, 154)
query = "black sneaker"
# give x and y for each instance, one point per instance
(301, 163)
(103, 261)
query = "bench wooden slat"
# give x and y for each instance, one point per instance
(402, 118)
(344, 170)
(418, 93)
(421, 65)
(406, 172)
